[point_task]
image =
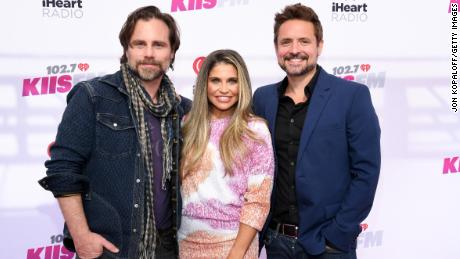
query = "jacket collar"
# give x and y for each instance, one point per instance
(115, 80)
(308, 89)
(323, 89)
(319, 99)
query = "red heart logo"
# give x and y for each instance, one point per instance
(364, 226)
(83, 66)
(197, 64)
(365, 67)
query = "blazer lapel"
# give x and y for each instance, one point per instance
(318, 101)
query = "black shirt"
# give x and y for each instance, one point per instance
(288, 129)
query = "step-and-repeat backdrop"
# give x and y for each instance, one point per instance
(404, 51)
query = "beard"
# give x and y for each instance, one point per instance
(148, 74)
(299, 70)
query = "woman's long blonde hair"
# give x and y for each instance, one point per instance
(196, 129)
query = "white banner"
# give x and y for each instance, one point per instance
(404, 51)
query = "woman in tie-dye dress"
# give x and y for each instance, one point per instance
(227, 164)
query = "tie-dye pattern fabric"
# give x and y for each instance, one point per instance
(214, 204)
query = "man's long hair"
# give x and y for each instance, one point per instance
(146, 13)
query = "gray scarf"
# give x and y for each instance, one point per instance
(165, 110)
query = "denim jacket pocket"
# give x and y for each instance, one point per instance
(114, 135)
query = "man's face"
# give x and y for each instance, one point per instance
(297, 49)
(149, 52)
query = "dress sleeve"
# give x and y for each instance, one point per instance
(261, 166)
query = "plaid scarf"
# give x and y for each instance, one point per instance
(165, 109)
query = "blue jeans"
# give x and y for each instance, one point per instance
(283, 247)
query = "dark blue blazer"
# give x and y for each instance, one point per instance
(338, 161)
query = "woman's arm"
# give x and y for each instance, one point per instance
(243, 240)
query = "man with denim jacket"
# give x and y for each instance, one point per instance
(114, 164)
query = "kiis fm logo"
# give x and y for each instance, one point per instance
(361, 73)
(450, 165)
(369, 239)
(345, 12)
(63, 9)
(450, 4)
(55, 251)
(197, 64)
(59, 79)
(190, 5)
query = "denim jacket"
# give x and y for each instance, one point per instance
(97, 154)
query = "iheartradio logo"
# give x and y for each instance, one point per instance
(83, 66)
(197, 64)
(365, 67)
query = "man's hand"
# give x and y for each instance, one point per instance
(90, 245)
(87, 244)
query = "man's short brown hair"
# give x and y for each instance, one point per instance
(298, 12)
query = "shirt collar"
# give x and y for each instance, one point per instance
(309, 88)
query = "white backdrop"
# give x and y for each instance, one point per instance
(401, 49)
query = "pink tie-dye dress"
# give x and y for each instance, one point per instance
(214, 204)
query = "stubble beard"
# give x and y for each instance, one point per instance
(296, 71)
(148, 74)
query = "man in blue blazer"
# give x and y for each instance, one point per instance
(327, 140)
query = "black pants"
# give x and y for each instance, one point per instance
(279, 246)
(166, 245)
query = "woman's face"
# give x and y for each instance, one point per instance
(223, 90)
